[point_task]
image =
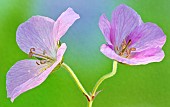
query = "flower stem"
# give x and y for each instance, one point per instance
(90, 103)
(93, 95)
(76, 79)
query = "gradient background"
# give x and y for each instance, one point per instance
(132, 86)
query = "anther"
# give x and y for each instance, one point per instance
(43, 61)
(117, 48)
(132, 49)
(32, 49)
(129, 42)
(31, 52)
(121, 53)
(37, 63)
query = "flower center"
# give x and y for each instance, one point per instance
(123, 50)
(44, 58)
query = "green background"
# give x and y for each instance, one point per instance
(132, 86)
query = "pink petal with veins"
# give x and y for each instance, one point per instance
(63, 23)
(105, 27)
(124, 21)
(37, 33)
(147, 35)
(144, 57)
(26, 74)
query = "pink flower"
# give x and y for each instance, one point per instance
(38, 37)
(129, 40)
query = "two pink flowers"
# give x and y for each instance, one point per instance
(128, 40)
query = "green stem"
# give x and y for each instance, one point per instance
(103, 78)
(90, 103)
(93, 95)
(76, 79)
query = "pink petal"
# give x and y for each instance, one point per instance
(148, 56)
(145, 57)
(63, 23)
(146, 36)
(37, 33)
(26, 74)
(105, 27)
(124, 21)
(61, 51)
(110, 53)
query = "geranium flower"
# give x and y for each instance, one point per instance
(129, 40)
(38, 37)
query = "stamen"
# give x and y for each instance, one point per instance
(117, 48)
(129, 42)
(125, 51)
(43, 61)
(43, 56)
(32, 49)
(31, 52)
(123, 46)
(120, 53)
(37, 63)
(133, 49)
